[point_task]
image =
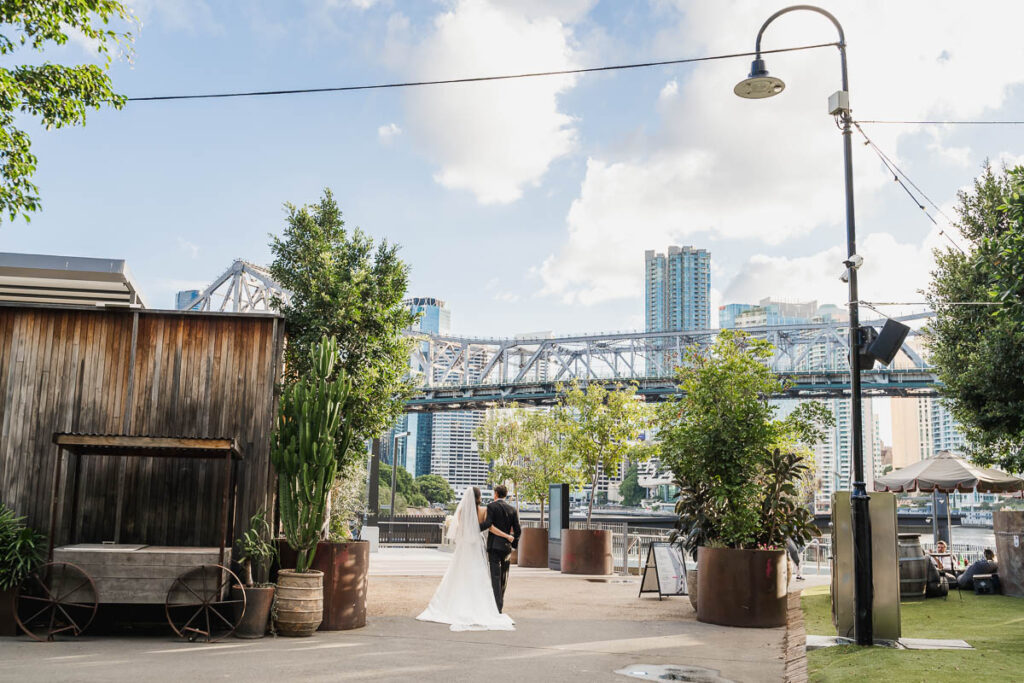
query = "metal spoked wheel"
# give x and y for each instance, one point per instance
(56, 600)
(200, 604)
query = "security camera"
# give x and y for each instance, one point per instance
(855, 261)
(845, 275)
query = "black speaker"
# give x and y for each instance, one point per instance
(888, 342)
(865, 339)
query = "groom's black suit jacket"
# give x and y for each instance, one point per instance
(502, 516)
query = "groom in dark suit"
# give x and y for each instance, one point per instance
(501, 516)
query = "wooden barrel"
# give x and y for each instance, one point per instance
(300, 602)
(913, 567)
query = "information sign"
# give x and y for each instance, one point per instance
(665, 571)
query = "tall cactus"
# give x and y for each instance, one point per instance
(311, 429)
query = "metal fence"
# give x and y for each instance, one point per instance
(420, 530)
(816, 557)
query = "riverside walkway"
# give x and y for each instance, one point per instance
(567, 629)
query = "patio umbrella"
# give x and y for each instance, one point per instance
(948, 473)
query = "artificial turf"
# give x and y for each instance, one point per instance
(992, 624)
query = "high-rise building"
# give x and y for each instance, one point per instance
(434, 318)
(184, 298)
(774, 313)
(677, 290)
(677, 297)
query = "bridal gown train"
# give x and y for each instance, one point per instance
(465, 598)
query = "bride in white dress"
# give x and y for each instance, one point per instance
(465, 598)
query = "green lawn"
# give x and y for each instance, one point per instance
(993, 624)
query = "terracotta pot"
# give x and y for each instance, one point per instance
(8, 626)
(533, 548)
(691, 587)
(587, 551)
(256, 615)
(300, 602)
(741, 587)
(345, 567)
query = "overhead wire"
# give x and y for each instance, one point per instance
(476, 79)
(944, 123)
(899, 176)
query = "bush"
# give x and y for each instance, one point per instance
(21, 548)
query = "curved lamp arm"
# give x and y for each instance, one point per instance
(811, 8)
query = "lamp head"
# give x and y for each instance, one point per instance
(759, 84)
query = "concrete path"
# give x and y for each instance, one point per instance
(567, 629)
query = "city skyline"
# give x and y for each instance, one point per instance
(531, 213)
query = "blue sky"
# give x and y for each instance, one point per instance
(528, 205)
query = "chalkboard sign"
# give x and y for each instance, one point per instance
(665, 571)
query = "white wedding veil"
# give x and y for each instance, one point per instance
(465, 519)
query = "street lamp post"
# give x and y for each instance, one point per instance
(760, 85)
(394, 468)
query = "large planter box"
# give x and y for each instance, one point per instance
(8, 626)
(1008, 526)
(741, 587)
(587, 551)
(345, 567)
(533, 548)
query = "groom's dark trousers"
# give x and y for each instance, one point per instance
(501, 516)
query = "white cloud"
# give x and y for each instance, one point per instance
(188, 247)
(387, 133)
(670, 90)
(723, 168)
(191, 16)
(492, 139)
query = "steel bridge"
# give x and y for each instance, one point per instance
(463, 373)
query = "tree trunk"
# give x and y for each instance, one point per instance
(542, 499)
(593, 495)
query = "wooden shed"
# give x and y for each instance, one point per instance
(90, 370)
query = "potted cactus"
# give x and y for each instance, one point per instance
(311, 428)
(258, 551)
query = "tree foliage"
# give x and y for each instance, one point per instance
(602, 426)
(435, 489)
(55, 94)
(979, 350)
(737, 466)
(405, 486)
(525, 448)
(630, 490)
(344, 285)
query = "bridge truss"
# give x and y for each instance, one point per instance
(459, 373)
(242, 288)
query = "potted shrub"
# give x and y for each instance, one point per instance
(21, 550)
(601, 428)
(311, 427)
(740, 471)
(258, 550)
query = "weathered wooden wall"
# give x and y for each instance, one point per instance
(118, 371)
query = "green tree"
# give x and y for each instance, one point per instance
(502, 441)
(737, 466)
(435, 489)
(978, 350)
(630, 490)
(405, 485)
(344, 285)
(55, 94)
(602, 428)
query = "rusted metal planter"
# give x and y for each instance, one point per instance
(8, 626)
(300, 602)
(587, 551)
(345, 567)
(692, 587)
(254, 617)
(1007, 526)
(533, 548)
(744, 588)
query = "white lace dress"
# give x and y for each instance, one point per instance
(465, 599)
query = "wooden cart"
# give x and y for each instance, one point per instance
(61, 597)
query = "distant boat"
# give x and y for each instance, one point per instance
(976, 518)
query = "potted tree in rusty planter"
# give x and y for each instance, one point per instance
(21, 550)
(311, 426)
(258, 550)
(740, 472)
(601, 428)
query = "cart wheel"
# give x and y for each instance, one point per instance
(57, 599)
(200, 605)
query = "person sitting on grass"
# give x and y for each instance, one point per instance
(986, 565)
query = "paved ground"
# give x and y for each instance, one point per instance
(568, 628)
